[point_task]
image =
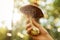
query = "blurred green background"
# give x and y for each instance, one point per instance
(51, 20)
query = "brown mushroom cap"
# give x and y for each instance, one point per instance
(31, 10)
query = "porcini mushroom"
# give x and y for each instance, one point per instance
(32, 12)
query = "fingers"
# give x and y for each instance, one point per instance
(35, 23)
(29, 30)
(42, 29)
(28, 26)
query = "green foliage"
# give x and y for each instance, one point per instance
(57, 3)
(3, 32)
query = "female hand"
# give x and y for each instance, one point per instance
(43, 35)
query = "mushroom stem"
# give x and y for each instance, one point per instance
(35, 30)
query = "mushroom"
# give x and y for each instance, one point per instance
(32, 12)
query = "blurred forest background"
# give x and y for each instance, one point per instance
(17, 30)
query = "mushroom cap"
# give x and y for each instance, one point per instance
(31, 10)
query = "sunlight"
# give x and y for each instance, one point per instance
(49, 1)
(25, 2)
(6, 11)
(20, 35)
(17, 15)
(58, 29)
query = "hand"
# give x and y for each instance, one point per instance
(43, 35)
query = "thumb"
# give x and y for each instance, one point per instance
(41, 28)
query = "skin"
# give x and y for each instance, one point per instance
(43, 35)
